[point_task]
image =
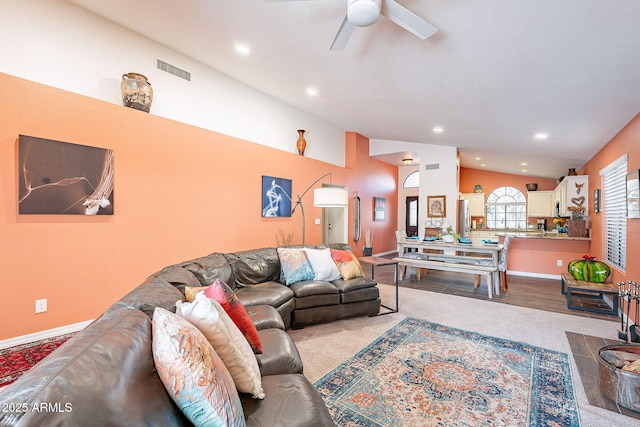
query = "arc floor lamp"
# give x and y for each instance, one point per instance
(324, 197)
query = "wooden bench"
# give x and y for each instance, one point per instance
(487, 270)
(572, 287)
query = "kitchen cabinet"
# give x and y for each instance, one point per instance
(477, 236)
(572, 194)
(476, 203)
(540, 203)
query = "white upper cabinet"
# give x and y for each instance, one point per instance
(573, 194)
(540, 203)
(476, 203)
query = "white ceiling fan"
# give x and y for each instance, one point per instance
(362, 13)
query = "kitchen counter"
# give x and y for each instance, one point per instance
(539, 235)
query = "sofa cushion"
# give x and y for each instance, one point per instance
(149, 295)
(324, 267)
(290, 401)
(193, 374)
(347, 263)
(314, 293)
(270, 293)
(227, 340)
(280, 355)
(350, 285)
(177, 276)
(265, 317)
(295, 265)
(220, 292)
(363, 294)
(105, 371)
(254, 266)
(208, 269)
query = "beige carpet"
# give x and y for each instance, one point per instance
(323, 347)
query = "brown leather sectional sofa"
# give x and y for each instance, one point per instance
(105, 374)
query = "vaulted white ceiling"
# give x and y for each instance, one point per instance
(496, 72)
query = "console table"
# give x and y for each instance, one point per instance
(376, 261)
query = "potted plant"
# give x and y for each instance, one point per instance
(448, 235)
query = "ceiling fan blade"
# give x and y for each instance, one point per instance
(407, 19)
(345, 31)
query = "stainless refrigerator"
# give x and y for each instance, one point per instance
(463, 225)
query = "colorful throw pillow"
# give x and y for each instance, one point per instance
(323, 266)
(223, 294)
(347, 263)
(190, 292)
(295, 265)
(227, 340)
(193, 374)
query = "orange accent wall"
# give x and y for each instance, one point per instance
(180, 192)
(626, 141)
(492, 180)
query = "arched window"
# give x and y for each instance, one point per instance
(507, 208)
(412, 180)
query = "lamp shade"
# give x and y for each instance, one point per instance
(330, 197)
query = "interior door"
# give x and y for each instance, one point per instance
(411, 216)
(335, 225)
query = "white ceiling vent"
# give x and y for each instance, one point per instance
(432, 166)
(172, 69)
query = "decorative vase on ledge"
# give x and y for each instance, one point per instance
(136, 92)
(301, 144)
(368, 251)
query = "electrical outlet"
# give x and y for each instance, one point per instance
(559, 263)
(41, 305)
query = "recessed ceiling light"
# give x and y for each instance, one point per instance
(312, 91)
(478, 158)
(438, 129)
(523, 164)
(483, 165)
(242, 49)
(524, 170)
(541, 136)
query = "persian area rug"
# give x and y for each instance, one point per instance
(15, 361)
(424, 374)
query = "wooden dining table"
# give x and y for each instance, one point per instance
(457, 252)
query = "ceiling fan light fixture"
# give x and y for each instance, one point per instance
(363, 13)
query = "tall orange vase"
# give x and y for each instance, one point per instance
(301, 144)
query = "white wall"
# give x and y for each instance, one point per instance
(62, 45)
(438, 182)
(403, 193)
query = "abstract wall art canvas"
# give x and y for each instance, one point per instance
(57, 177)
(276, 196)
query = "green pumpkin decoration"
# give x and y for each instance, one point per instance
(589, 270)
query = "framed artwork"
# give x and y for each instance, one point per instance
(62, 178)
(596, 200)
(633, 194)
(436, 206)
(276, 196)
(379, 208)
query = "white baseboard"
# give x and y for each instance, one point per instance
(37, 336)
(530, 274)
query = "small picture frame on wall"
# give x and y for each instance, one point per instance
(379, 204)
(276, 196)
(436, 206)
(596, 200)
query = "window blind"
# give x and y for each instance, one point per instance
(614, 208)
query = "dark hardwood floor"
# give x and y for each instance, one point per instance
(523, 291)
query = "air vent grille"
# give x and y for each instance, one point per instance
(172, 69)
(432, 166)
